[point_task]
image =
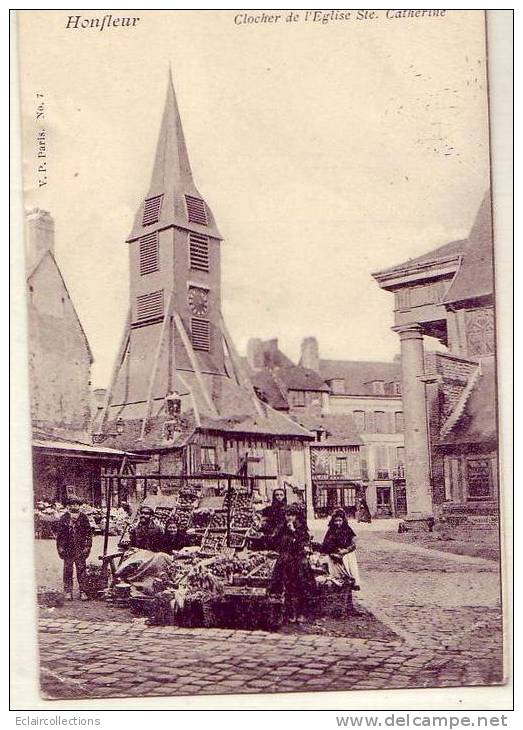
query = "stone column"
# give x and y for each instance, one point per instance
(417, 447)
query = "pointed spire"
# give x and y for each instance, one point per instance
(172, 175)
(171, 165)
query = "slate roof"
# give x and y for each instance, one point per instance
(340, 428)
(357, 374)
(300, 378)
(475, 275)
(269, 390)
(172, 177)
(477, 423)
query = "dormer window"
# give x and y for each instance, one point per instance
(337, 386)
(151, 210)
(378, 387)
(196, 210)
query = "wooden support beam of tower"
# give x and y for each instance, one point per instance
(194, 362)
(239, 372)
(116, 370)
(164, 332)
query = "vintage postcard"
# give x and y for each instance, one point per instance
(261, 325)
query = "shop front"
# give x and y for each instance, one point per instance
(333, 492)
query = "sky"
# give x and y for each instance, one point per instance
(326, 151)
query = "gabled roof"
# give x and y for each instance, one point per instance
(172, 177)
(268, 389)
(357, 374)
(31, 271)
(477, 422)
(297, 377)
(475, 275)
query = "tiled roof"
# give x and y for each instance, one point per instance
(477, 423)
(358, 374)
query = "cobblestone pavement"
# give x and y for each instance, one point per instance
(443, 609)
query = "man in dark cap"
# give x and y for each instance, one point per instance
(147, 535)
(74, 540)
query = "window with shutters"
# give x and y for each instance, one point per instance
(196, 210)
(381, 421)
(370, 422)
(151, 210)
(201, 334)
(398, 422)
(359, 421)
(198, 252)
(285, 462)
(149, 254)
(149, 306)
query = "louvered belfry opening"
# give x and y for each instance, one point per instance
(151, 210)
(200, 334)
(196, 210)
(198, 251)
(149, 254)
(149, 306)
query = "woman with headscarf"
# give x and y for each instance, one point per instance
(292, 575)
(339, 546)
(173, 538)
(273, 518)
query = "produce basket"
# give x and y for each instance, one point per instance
(333, 601)
(96, 579)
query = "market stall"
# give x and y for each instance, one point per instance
(220, 577)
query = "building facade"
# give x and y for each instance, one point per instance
(60, 360)
(355, 411)
(179, 392)
(450, 396)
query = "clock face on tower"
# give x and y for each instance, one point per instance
(198, 301)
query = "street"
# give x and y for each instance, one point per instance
(442, 611)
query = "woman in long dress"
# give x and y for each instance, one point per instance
(339, 546)
(292, 576)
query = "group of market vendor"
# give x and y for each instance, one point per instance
(148, 535)
(285, 530)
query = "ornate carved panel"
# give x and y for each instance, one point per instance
(480, 331)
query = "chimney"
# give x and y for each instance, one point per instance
(310, 354)
(270, 353)
(255, 353)
(40, 232)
